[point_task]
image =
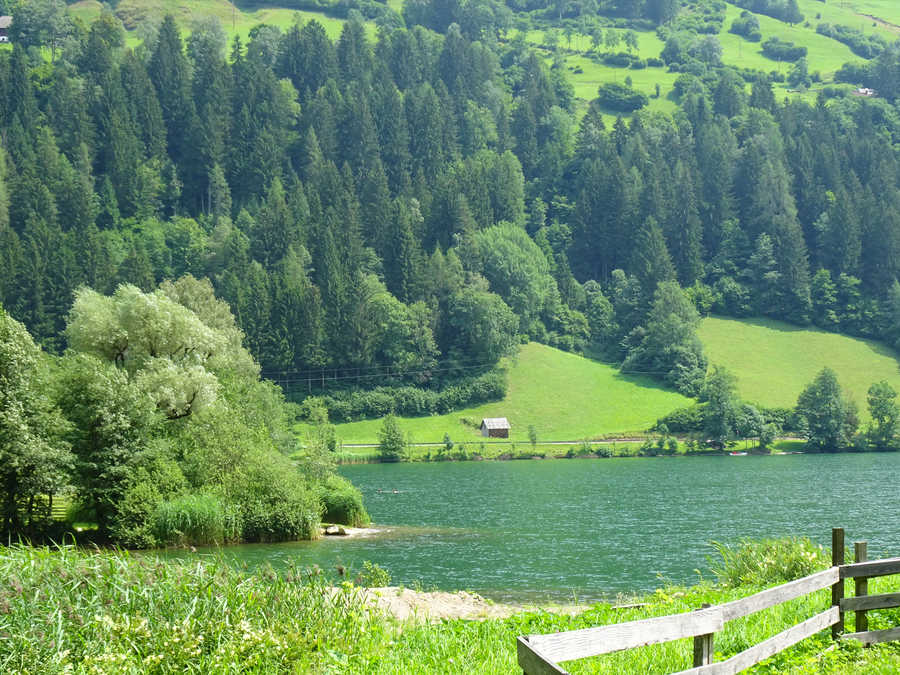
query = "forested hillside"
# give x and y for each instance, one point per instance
(406, 209)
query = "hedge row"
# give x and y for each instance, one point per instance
(412, 401)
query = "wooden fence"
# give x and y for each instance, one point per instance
(540, 654)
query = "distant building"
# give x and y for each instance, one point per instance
(864, 91)
(495, 427)
(5, 23)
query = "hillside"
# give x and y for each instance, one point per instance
(585, 72)
(565, 397)
(774, 361)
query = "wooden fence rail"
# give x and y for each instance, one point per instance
(541, 654)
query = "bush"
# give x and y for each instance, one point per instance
(273, 501)
(373, 576)
(621, 98)
(684, 420)
(747, 26)
(409, 401)
(342, 503)
(780, 50)
(868, 47)
(192, 519)
(768, 561)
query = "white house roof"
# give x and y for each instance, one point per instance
(5, 21)
(495, 423)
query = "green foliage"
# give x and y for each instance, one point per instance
(829, 418)
(410, 401)
(118, 608)
(746, 25)
(343, 503)
(865, 46)
(34, 457)
(669, 346)
(780, 50)
(885, 413)
(767, 562)
(372, 575)
(721, 411)
(194, 519)
(621, 97)
(391, 442)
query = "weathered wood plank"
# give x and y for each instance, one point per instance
(872, 568)
(532, 662)
(837, 591)
(704, 649)
(861, 585)
(770, 647)
(872, 637)
(779, 594)
(866, 602)
(580, 644)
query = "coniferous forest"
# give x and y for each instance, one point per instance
(402, 210)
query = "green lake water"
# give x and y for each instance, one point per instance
(558, 530)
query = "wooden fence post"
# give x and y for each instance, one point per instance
(703, 647)
(861, 585)
(837, 591)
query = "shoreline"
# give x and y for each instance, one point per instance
(509, 457)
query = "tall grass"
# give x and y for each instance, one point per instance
(66, 610)
(195, 519)
(768, 561)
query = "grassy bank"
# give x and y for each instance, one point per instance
(71, 611)
(774, 361)
(564, 396)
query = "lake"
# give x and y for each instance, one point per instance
(588, 529)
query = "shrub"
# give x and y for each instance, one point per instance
(684, 420)
(621, 98)
(780, 50)
(746, 25)
(768, 561)
(409, 401)
(342, 503)
(273, 501)
(373, 576)
(868, 47)
(191, 519)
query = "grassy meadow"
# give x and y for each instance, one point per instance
(774, 361)
(235, 19)
(65, 610)
(564, 396)
(570, 398)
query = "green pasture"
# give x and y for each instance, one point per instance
(564, 396)
(236, 20)
(886, 11)
(774, 361)
(825, 55)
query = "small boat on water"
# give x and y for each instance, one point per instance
(738, 454)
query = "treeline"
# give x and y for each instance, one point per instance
(783, 10)
(824, 416)
(408, 401)
(866, 46)
(427, 198)
(155, 426)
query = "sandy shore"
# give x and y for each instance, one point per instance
(408, 604)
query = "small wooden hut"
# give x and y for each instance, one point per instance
(495, 427)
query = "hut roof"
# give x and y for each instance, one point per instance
(495, 423)
(5, 21)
